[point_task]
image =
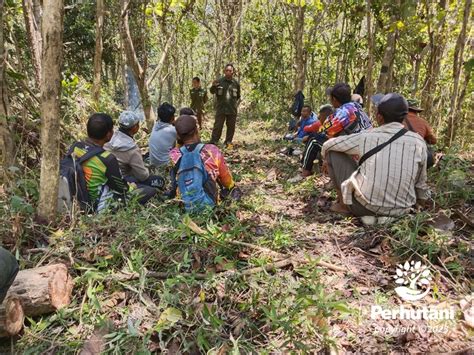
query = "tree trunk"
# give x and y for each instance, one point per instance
(384, 82)
(50, 106)
(416, 68)
(32, 14)
(370, 56)
(98, 50)
(437, 43)
(138, 71)
(300, 57)
(6, 141)
(11, 317)
(457, 66)
(44, 289)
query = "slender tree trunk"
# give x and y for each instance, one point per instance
(133, 63)
(32, 14)
(6, 141)
(52, 32)
(457, 66)
(370, 56)
(416, 69)
(437, 37)
(99, 25)
(384, 82)
(338, 64)
(300, 57)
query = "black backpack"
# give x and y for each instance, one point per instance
(72, 182)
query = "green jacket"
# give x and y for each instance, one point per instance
(227, 96)
(198, 99)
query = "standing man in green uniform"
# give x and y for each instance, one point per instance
(227, 91)
(198, 99)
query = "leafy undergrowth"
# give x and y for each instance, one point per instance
(153, 279)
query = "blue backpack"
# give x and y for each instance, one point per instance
(192, 177)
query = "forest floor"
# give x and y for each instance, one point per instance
(210, 298)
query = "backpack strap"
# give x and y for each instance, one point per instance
(91, 153)
(381, 146)
(199, 147)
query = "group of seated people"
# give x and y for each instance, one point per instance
(119, 172)
(377, 172)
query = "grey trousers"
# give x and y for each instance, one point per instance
(341, 166)
(8, 270)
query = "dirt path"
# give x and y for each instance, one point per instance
(364, 252)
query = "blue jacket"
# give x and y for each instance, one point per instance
(310, 120)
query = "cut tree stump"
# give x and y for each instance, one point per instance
(11, 317)
(42, 290)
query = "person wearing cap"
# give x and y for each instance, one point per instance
(387, 183)
(415, 123)
(104, 180)
(163, 137)
(227, 92)
(125, 149)
(213, 159)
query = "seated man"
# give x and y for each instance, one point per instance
(212, 158)
(163, 137)
(417, 124)
(386, 182)
(102, 172)
(8, 270)
(348, 118)
(123, 147)
(307, 118)
(324, 112)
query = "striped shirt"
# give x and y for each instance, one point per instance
(389, 182)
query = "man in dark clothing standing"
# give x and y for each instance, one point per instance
(227, 91)
(198, 99)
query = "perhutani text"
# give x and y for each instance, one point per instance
(426, 313)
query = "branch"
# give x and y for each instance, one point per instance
(170, 40)
(130, 53)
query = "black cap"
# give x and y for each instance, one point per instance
(393, 107)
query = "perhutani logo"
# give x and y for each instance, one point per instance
(414, 279)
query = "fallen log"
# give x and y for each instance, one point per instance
(42, 290)
(11, 317)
